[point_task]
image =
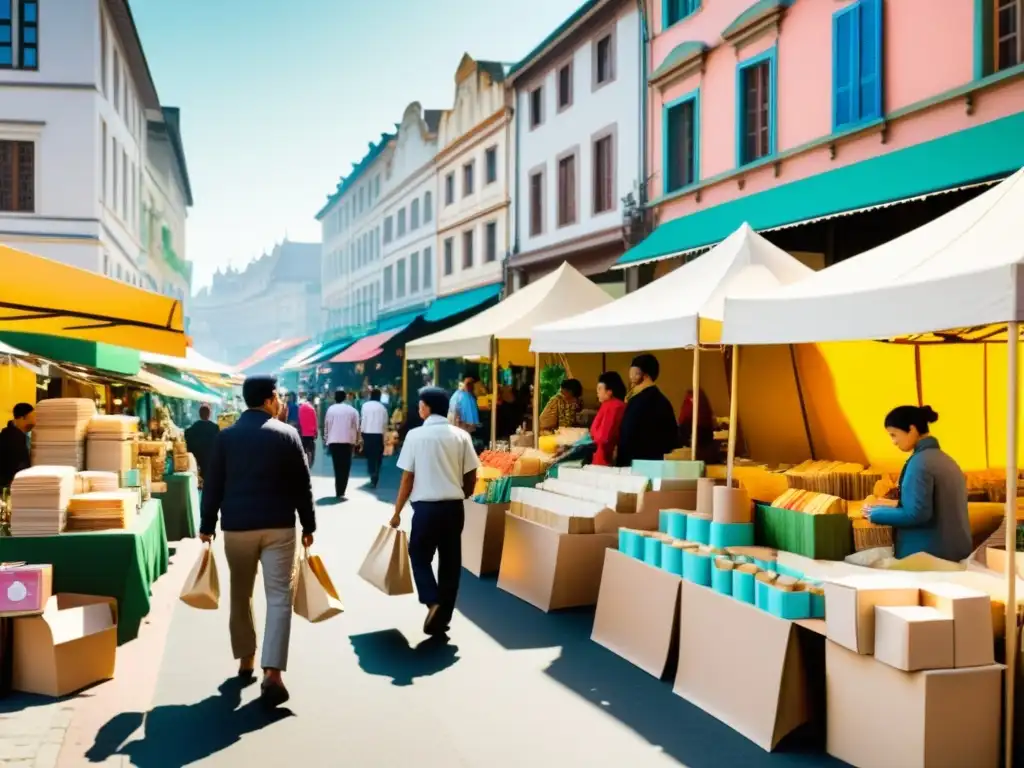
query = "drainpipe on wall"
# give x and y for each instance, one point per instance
(515, 202)
(645, 41)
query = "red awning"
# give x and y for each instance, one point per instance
(268, 349)
(366, 348)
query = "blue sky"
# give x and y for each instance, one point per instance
(276, 106)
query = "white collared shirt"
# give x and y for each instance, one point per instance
(374, 418)
(341, 424)
(439, 454)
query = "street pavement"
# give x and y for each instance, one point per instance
(511, 687)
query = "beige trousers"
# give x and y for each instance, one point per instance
(275, 549)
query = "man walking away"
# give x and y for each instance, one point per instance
(341, 429)
(309, 428)
(200, 438)
(374, 423)
(14, 452)
(258, 480)
(438, 466)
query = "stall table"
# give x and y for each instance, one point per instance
(118, 564)
(181, 505)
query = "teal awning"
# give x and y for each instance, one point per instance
(988, 151)
(398, 320)
(457, 303)
(329, 350)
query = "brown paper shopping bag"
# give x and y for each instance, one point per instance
(387, 564)
(316, 598)
(202, 588)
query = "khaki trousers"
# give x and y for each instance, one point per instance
(275, 549)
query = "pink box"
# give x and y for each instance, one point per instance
(24, 589)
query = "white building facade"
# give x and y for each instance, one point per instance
(577, 127)
(473, 173)
(77, 101)
(409, 229)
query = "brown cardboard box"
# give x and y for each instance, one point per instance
(971, 611)
(995, 559)
(880, 717)
(637, 612)
(913, 637)
(71, 645)
(482, 537)
(749, 669)
(850, 607)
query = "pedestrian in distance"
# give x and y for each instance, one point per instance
(309, 427)
(200, 437)
(258, 482)
(341, 431)
(373, 423)
(438, 466)
(14, 450)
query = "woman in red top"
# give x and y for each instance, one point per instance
(611, 392)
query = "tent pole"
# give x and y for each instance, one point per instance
(494, 393)
(1012, 649)
(404, 396)
(695, 402)
(733, 414)
(437, 372)
(536, 400)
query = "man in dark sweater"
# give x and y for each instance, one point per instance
(648, 428)
(200, 438)
(257, 480)
(14, 452)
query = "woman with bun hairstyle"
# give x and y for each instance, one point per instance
(931, 515)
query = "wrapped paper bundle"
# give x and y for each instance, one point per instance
(101, 511)
(560, 513)
(108, 455)
(113, 427)
(97, 482)
(810, 502)
(622, 502)
(836, 478)
(59, 434)
(868, 535)
(39, 500)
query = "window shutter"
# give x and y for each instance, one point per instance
(870, 18)
(844, 66)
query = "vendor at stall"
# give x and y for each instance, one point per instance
(563, 409)
(649, 429)
(931, 514)
(611, 393)
(706, 449)
(462, 407)
(14, 450)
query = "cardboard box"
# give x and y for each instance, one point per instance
(880, 717)
(913, 637)
(637, 613)
(971, 611)
(25, 589)
(71, 645)
(850, 604)
(754, 672)
(482, 537)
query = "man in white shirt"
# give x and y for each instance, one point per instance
(438, 466)
(374, 420)
(341, 430)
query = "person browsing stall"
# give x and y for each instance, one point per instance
(611, 394)
(438, 466)
(14, 451)
(374, 423)
(462, 408)
(341, 431)
(563, 409)
(200, 437)
(931, 514)
(649, 428)
(309, 428)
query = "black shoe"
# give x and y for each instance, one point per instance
(273, 695)
(435, 623)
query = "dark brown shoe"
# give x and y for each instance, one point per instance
(273, 695)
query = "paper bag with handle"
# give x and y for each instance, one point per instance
(316, 598)
(202, 588)
(387, 564)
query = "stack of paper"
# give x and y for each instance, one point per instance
(59, 435)
(39, 500)
(111, 443)
(100, 511)
(96, 482)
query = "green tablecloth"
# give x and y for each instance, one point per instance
(181, 505)
(118, 564)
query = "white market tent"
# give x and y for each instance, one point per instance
(169, 388)
(667, 314)
(192, 362)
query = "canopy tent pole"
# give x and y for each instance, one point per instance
(404, 396)
(733, 413)
(494, 392)
(695, 401)
(536, 400)
(1012, 394)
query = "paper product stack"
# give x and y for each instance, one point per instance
(92, 481)
(156, 451)
(183, 461)
(101, 511)
(111, 443)
(59, 435)
(39, 500)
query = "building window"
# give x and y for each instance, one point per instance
(565, 87)
(117, 81)
(6, 34)
(400, 280)
(857, 63)
(449, 256)
(604, 60)
(491, 241)
(449, 188)
(389, 225)
(401, 222)
(103, 48)
(414, 272)
(114, 175)
(428, 207)
(681, 132)
(467, 178)
(28, 34)
(536, 107)
(103, 161)
(756, 97)
(677, 10)
(567, 190)
(1009, 28)
(467, 249)
(536, 203)
(604, 173)
(414, 214)
(388, 270)
(428, 268)
(17, 176)
(376, 186)
(491, 165)
(124, 185)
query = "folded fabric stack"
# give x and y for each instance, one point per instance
(111, 443)
(92, 481)
(39, 500)
(58, 438)
(100, 511)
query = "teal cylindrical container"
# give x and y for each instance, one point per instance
(761, 589)
(789, 605)
(697, 568)
(624, 535)
(671, 558)
(652, 551)
(766, 565)
(663, 520)
(677, 523)
(743, 586)
(721, 580)
(698, 529)
(817, 606)
(634, 544)
(732, 535)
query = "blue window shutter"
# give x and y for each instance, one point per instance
(870, 18)
(845, 90)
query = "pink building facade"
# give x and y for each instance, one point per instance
(785, 112)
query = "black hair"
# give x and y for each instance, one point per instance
(904, 417)
(339, 395)
(375, 394)
(204, 412)
(613, 383)
(648, 364)
(573, 387)
(21, 410)
(258, 389)
(436, 399)
(471, 375)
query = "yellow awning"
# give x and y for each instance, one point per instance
(38, 295)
